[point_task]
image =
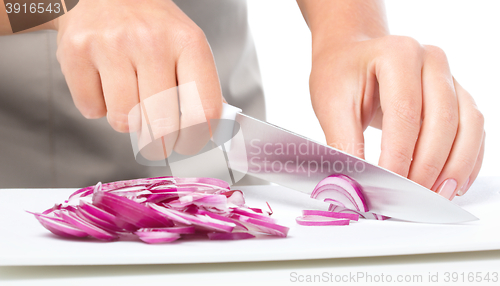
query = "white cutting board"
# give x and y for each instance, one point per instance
(24, 241)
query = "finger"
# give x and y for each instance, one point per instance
(119, 85)
(84, 84)
(200, 95)
(401, 102)
(158, 95)
(466, 148)
(466, 186)
(440, 119)
(339, 117)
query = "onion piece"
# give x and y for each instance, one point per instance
(170, 214)
(59, 227)
(235, 197)
(262, 226)
(203, 222)
(314, 220)
(83, 214)
(95, 211)
(251, 213)
(229, 236)
(367, 215)
(129, 211)
(174, 229)
(331, 214)
(157, 236)
(239, 226)
(341, 190)
(89, 228)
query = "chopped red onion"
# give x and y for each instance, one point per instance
(159, 210)
(345, 196)
(341, 190)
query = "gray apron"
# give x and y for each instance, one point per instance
(46, 142)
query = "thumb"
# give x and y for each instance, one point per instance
(342, 126)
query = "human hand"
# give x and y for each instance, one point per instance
(432, 130)
(117, 53)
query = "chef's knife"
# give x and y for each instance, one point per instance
(276, 155)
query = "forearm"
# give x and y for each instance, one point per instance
(341, 21)
(5, 28)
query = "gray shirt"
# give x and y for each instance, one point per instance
(46, 142)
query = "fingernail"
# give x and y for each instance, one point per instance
(447, 188)
(463, 189)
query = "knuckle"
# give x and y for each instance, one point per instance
(113, 38)
(192, 37)
(147, 36)
(448, 116)
(78, 43)
(477, 117)
(436, 52)
(430, 170)
(401, 156)
(403, 45)
(465, 162)
(407, 111)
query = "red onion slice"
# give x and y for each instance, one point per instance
(251, 213)
(106, 216)
(89, 228)
(157, 236)
(367, 215)
(235, 197)
(229, 236)
(129, 211)
(174, 229)
(342, 190)
(262, 226)
(239, 226)
(331, 214)
(83, 214)
(59, 227)
(314, 220)
(170, 214)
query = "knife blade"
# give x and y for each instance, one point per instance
(280, 156)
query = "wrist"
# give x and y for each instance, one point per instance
(332, 41)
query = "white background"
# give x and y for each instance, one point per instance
(468, 31)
